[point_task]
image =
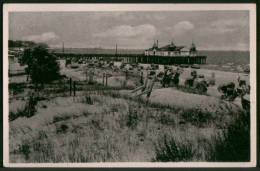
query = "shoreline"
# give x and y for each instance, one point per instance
(220, 68)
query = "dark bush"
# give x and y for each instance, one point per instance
(17, 88)
(199, 89)
(89, 100)
(43, 151)
(197, 117)
(60, 118)
(62, 129)
(25, 150)
(15, 115)
(28, 111)
(30, 108)
(166, 119)
(132, 118)
(234, 143)
(169, 150)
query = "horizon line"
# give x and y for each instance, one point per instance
(141, 49)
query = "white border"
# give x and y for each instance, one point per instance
(131, 7)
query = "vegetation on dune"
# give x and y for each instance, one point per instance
(121, 125)
(16, 88)
(132, 118)
(198, 117)
(198, 90)
(230, 145)
(234, 143)
(169, 150)
(109, 132)
(29, 109)
(167, 119)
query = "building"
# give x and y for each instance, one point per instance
(171, 50)
(173, 54)
(14, 53)
(14, 67)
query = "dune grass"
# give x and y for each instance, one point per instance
(101, 124)
(170, 150)
(234, 142)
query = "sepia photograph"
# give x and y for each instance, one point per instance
(129, 85)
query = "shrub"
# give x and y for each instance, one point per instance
(30, 108)
(62, 129)
(43, 151)
(169, 150)
(60, 118)
(202, 90)
(89, 100)
(25, 149)
(40, 149)
(197, 117)
(17, 88)
(132, 118)
(234, 143)
(28, 111)
(166, 119)
(15, 115)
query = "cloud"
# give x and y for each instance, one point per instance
(225, 26)
(127, 31)
(182, 27)
(127, 36)
(44, 37)
(234, 46)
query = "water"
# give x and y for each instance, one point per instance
(227, 57)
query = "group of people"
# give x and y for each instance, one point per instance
(171, 76)
(230, 91)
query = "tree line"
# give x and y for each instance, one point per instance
(20, 43)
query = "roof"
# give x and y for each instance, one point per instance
(170, 48)
(156, 48)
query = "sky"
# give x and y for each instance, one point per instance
(209, 30)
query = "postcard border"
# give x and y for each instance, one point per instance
(132, 7)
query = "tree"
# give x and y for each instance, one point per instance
(42, 66)
(27, 59)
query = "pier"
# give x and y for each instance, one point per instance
(136, 58)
